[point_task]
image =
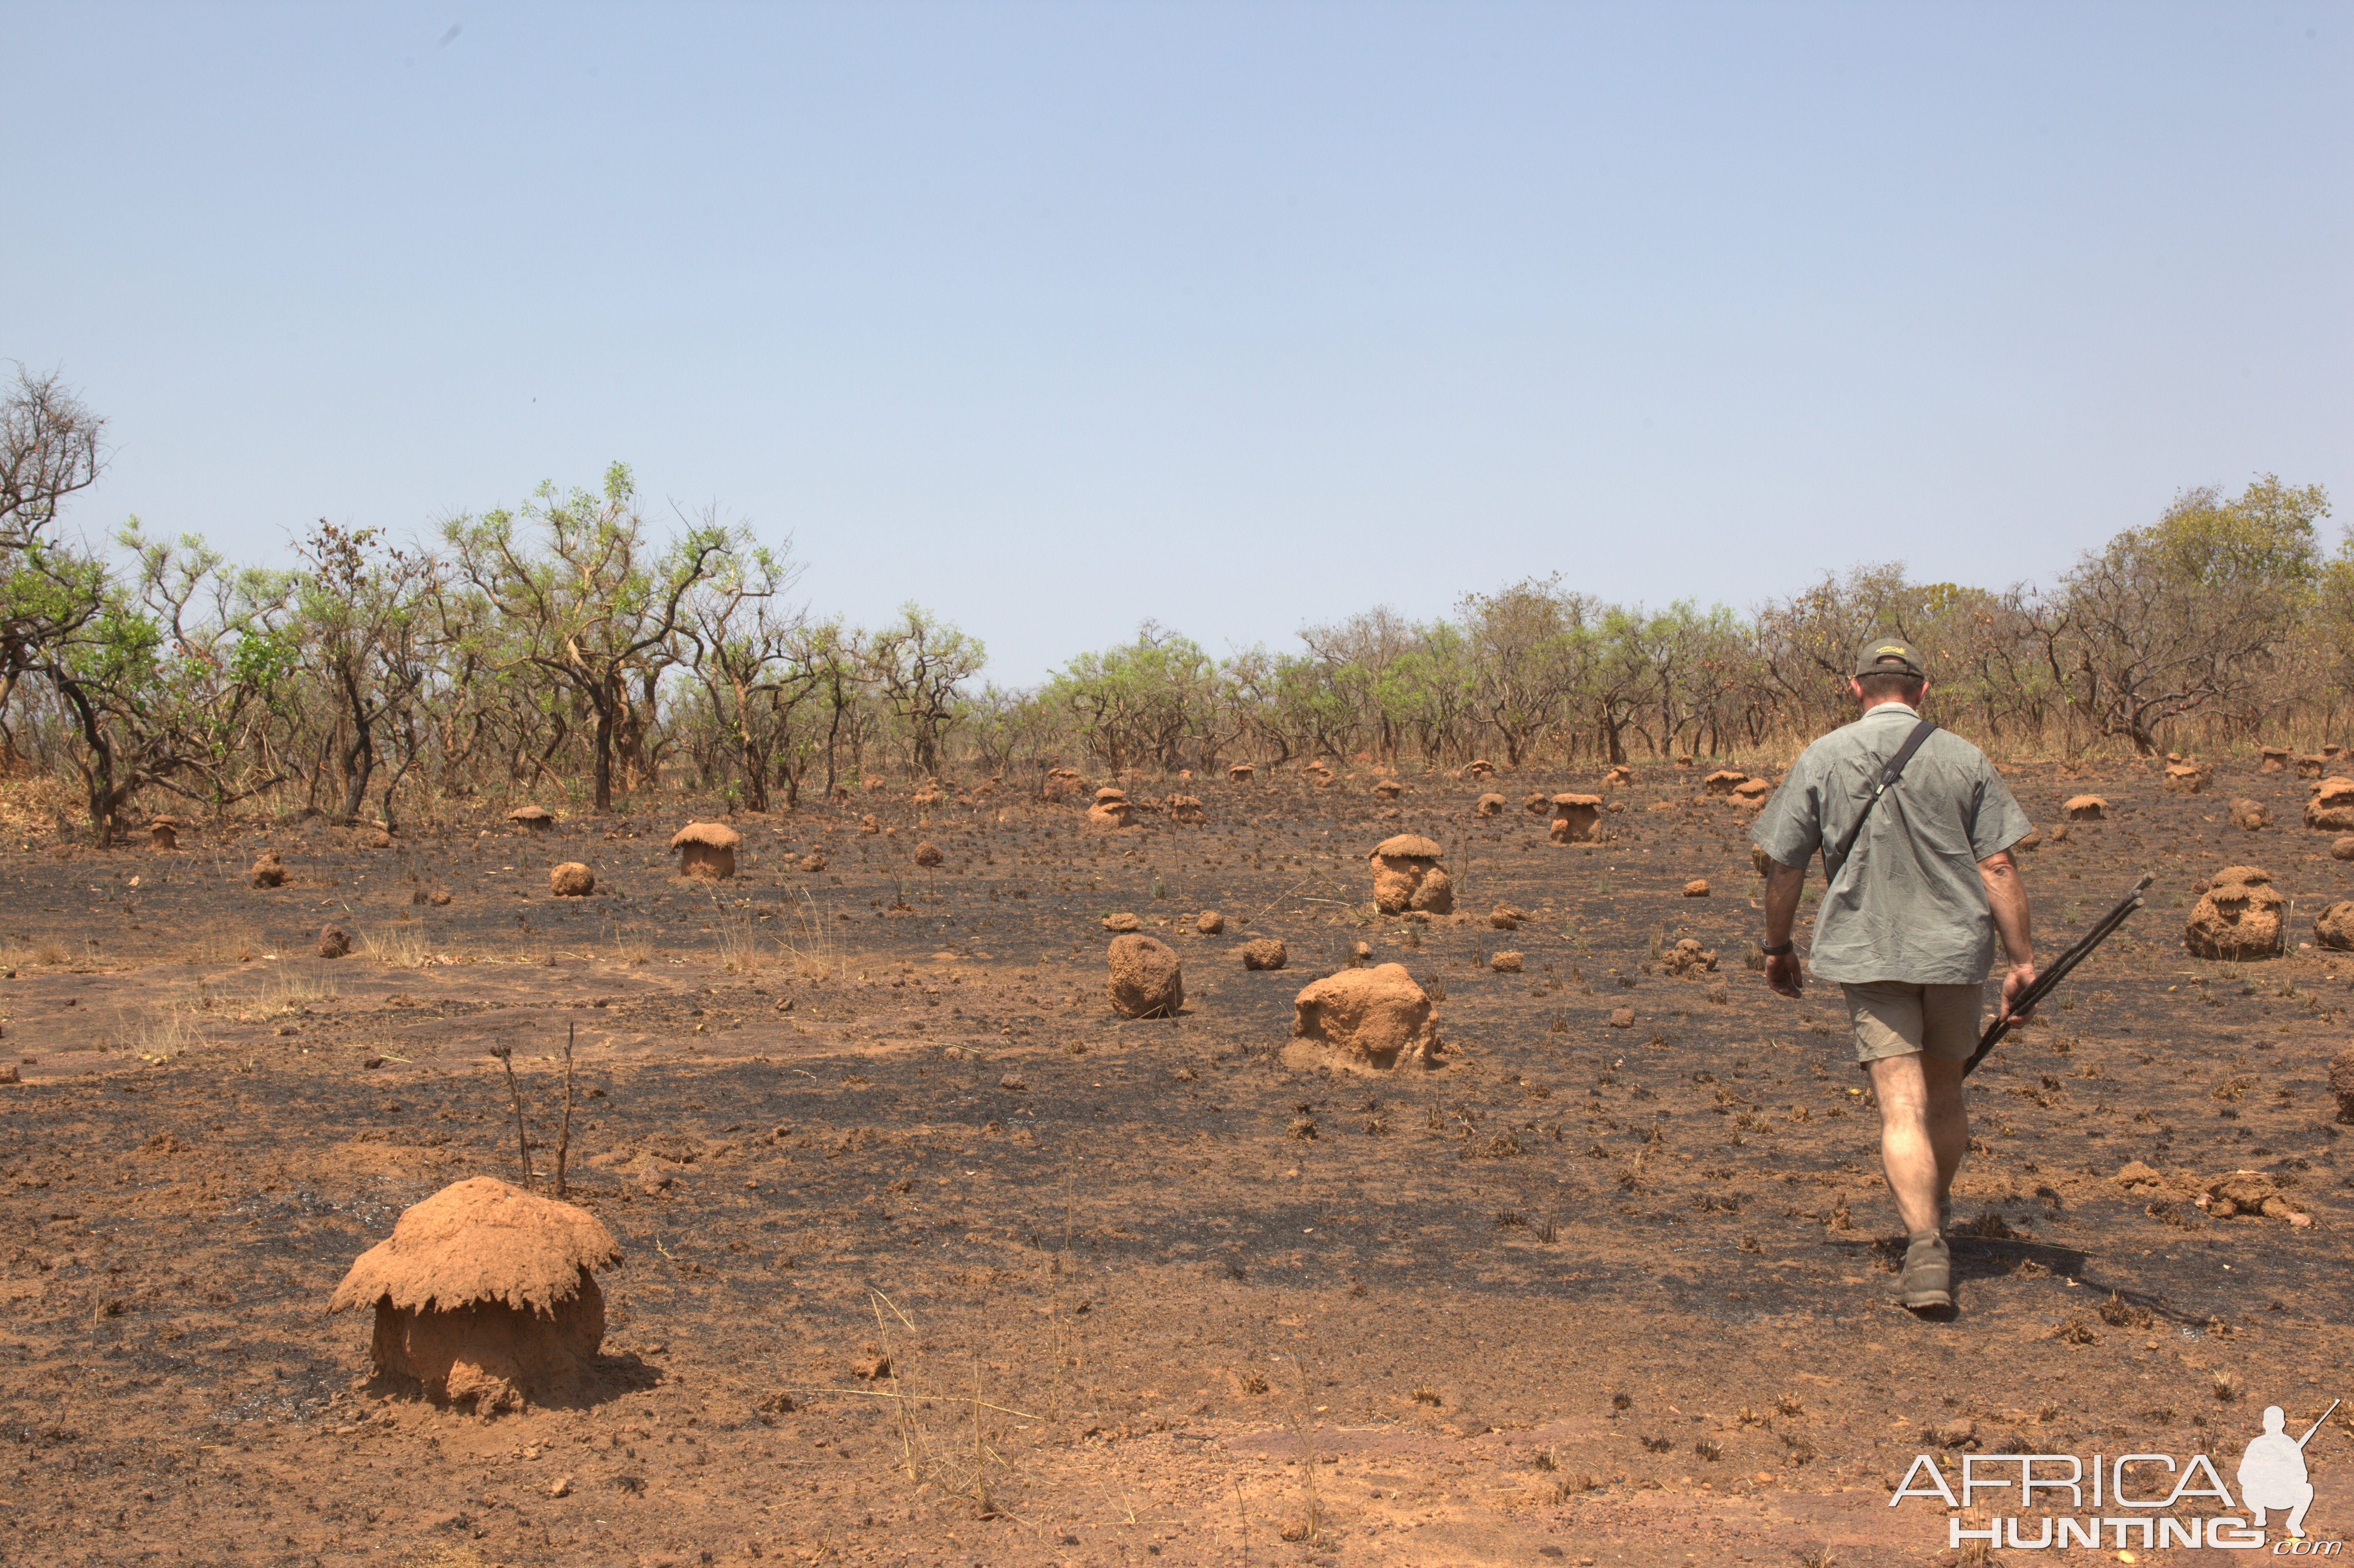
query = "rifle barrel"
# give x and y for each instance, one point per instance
(2317, 1424)
(2077, 953)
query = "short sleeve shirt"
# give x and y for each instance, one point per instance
(1908, 903)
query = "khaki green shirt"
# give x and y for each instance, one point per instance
(1908, 903)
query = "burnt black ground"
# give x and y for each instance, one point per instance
(1131, 1245)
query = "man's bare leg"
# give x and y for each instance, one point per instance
(1925, 1132)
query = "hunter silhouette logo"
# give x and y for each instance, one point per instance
(2138, 1500)
(2272, 1472)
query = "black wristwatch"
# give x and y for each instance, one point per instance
(1778, 948)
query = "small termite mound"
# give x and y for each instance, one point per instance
(707, 851)
(1576, 820)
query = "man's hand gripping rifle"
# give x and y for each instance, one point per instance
(2059, 970)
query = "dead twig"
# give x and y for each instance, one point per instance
(564, 1137)
(505, 1053)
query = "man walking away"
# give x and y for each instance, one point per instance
(1906, 927)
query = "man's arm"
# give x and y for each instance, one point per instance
(1783, 885)
(2006, 892)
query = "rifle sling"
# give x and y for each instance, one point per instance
(1889, 773)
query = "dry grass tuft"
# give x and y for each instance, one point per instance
(402, 947)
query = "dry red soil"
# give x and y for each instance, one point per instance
(1154, 1292)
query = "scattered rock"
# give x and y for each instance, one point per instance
(1377, 1016)
(335, 942)
(561, 1488)
(707, 851)
(2333, 927)
(813, 862)
(2341, 1082)
(2238, 917)
(873, 1365)
(484, 1294)
(1622, 1018)
(2034, 837)
(1696, 888)
(1210, 923)
(8, 1073)
(1506, 918)
(439, 898)
(2249, 1192)
(2331, 806)
(870, 823)
(571, 880)
(1122, 921)
(1488, 805)
(1504, 963)
(2135, 1176)
(1576, 820)
(1687, 958)
(2087, 809)
(1146, 980)
(1406, 875)
(1263, 953)
(927, 853)
(268, 871)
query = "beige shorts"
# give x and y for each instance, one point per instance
(1893, 1019)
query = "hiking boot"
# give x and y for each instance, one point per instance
(1928, 1277)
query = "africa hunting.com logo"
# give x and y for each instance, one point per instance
(2159, 1499)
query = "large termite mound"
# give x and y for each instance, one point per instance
(1111, 809)
(1377, 1016)
(484, 1295)
(2331, 806)
(1406, 875)
(2238, 917)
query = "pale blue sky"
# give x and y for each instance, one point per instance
(1054, 317)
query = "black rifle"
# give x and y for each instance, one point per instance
(2058, 971)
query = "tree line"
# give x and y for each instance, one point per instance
(571, 645)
